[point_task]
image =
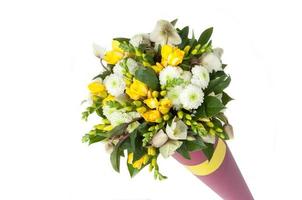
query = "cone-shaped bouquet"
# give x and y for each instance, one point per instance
(163, 94)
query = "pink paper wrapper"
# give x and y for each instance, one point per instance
(222, 176)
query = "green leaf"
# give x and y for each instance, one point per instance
(118, 130)
(95, 138)
(122, 39)
(132, 171)
(183, 150)
(210, 107)
(147, 76)
(208, 152)
(115, 157)
(205, 36)
(194, 145)
(218, 85)
(173, 22)
(102, 75)
(226, 98)
(132, 139)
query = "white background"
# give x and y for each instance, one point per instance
(46, 61)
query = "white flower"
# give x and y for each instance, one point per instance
(165, 33)
(140, 39)
(117, 117)
(191, 97)
(200, 77)
(177, 130)
(98, 50)
(173, 94)
(228, 128)
(186, 76)
(169, 148)
(218, 52)
(212, 62)
(169, 73)
(119, 69)
(159, 139)
(132, 65)
(108, 147)
(209, 139)
(114, 84)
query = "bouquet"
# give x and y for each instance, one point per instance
(163, 94)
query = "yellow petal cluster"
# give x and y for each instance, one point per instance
(140, 162)
(137, 90)
(151, 115)
(115, 55)
(165, 105)
(108, 98)
(157, 68)
(152, 103)
(171, 55)
(98, 89)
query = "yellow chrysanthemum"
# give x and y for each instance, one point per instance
(137, 90)
(171, 55)
(115, 55)
(151, 115)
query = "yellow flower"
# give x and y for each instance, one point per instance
(151, 151)
(171, 55)
(151, 103)
(157, 68)
(165, 105)
(108, 98)
(137, 90)
(103, 127)
(151, 115)
(115, 55)
(97, 88)
(140, 162)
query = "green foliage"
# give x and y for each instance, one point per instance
(226, 98)
(115, 156)
(205, 36)
(102, 75)
(190, 146)
(210, 107)
(218, 84)
(118, 130)
(208, 151)
(147, 76)
(126, 46)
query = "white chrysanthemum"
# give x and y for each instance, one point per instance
(165, 33)
(114, 84)
(191, 97)
(212, 62)
(173, 94)
(98, 50)
(200, 77)
(132, 65)
(118, 69)
(186, 76)
(169, 73)
(138, 39)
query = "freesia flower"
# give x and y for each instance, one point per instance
(177, 130)
(159, 139)
(165, 33)
(165, 105)
(212, 62)
(137, 90)
(171, 55)
(139, 39)
(115, 55)
(191, 97)
(200, 77)
(151, 115)
(151, 103)
(140, 162)
(169, 73)
(97, 88)
(98, 51)
(114, 84)
(169, 148)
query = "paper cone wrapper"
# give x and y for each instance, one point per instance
(221, 173)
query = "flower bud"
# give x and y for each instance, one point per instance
(228, 129)
(180, 114)
(109, 147)
(159, 139)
